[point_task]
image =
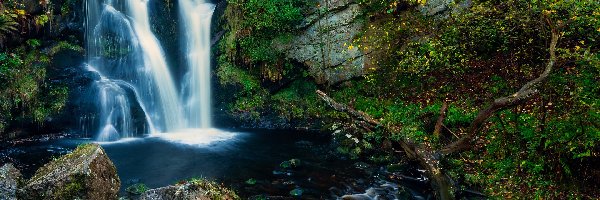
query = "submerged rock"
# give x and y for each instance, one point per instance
(356, 197)
(292, 163)
(10, 177)
(192, 190)
(296, 192)
(85, 173)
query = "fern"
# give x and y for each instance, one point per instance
(7, 26)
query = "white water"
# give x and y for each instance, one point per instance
(196, 16)
(136, 94)
(115, 108)
(154, 59)
(196, 137)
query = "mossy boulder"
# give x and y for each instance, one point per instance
(10, 178)
(196, 189)
(86, 173)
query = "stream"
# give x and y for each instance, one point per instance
(257, 164)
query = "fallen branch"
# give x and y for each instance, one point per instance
(423, 154)
(343, 108)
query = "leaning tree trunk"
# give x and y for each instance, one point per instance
(423, 155)
(429, 158)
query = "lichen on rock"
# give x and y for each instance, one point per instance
(324, 42)
(86, 173)
(195, 189)
(10, 178)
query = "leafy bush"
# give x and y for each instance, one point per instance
(26, 94)
(8, 25)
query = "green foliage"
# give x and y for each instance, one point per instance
(468, 59)
(62, 46)
(26, 94)
(212, 190)
(137, 189)
(255, 27)
(292, 163)
(298, 101)
(42, 20)
(230, 74)
(250, 97)
(8, 25)
(270, 15)
(251, 181)
(74, 189)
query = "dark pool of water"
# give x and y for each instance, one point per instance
(251, 154)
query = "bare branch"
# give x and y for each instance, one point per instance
(440, 121)
(524, 94)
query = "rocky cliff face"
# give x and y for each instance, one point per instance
(324, 42)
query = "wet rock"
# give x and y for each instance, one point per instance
(356, 197)
(33, 6)
(361, 165)
(296, 192)
(292, 163)
(192, 190)
(251, 181)
(85, 173)
(10, 177)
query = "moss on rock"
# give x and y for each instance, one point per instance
(197, 189)
(86, 173)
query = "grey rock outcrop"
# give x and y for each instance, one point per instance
(440, 7)
(10, 177)
(86, 173)
(323, 42)
(193, 190)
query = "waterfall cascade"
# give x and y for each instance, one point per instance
(196, 17)
(136, 93)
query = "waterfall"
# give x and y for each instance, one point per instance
(196, 17)
(134, 74)
(136, 93)
(154, 59)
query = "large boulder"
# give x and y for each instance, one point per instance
(10, 177)
(86, 173)
(190, 190)
(325, 43)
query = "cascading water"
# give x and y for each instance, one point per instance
(154, 60)
(125, 53)
(136, 92)
(196, 16)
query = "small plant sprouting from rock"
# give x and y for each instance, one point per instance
(251, 181)
(292, 163)
(137, 189)
(213, 189)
